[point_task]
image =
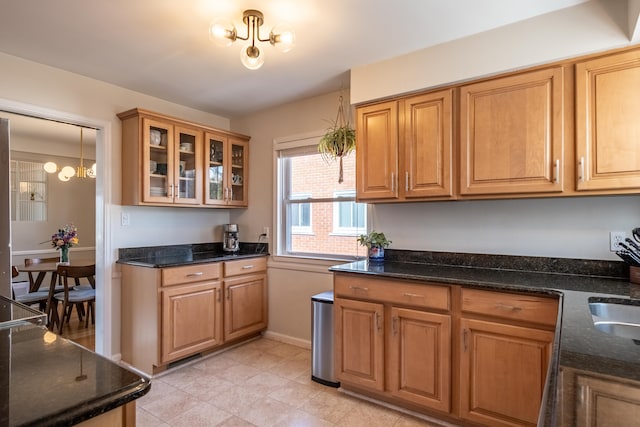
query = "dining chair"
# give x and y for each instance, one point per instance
(73, 296)
(14, 274)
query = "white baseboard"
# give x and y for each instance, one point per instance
(287, 339)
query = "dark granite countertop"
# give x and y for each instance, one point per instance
(47, 380)
(578, 344)
(188, 254)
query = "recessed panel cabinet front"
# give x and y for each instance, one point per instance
(511, 134)
(359, 342)
(191, 319)
(607, 122)
(245, 305)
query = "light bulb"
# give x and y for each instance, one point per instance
(63, 177)
(251, 57)
(283, 38)
(68, 171)
(91, 173)
(50, 167)
(222, 32)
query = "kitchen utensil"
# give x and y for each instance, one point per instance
(629, 248)
(636, 234)
(624, 255)
(633, 244)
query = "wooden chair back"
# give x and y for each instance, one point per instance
(14, 272)
(76, 273)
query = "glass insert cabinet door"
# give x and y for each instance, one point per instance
(170, 164)
(225, 169)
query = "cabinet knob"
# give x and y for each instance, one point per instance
(581, 169)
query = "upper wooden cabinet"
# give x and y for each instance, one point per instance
(226, 167)
(168, 161)
(404, 148)
(511, 134)
(607, 122)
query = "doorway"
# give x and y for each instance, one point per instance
(103, 327)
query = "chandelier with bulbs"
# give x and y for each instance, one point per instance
(224, 33)
(68, 172)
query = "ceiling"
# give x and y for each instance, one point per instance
(161, 47)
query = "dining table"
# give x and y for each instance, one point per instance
(51, 267)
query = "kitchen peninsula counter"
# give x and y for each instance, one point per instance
(578, 344)
(48, 380)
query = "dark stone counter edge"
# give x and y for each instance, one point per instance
(178, 263)
(78, 414)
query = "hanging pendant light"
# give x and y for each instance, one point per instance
(68, 172)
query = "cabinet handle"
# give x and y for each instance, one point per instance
(406, 294)
(358, 288)
(196, 274)
(393, 182)
(464, 339)
(170, 190)
(218, 293)
(406, 181)
(378, 326)
(228, 294)
(231, 193)
(247, 267)
(502, 306)
(581, 169)
(556, 171)
(395, 325)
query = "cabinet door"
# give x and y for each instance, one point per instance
(377, 151)
(420, 358)
(215, 149)
(191, 319)
(607, 125)
(503, 369)
(238, 172)
(187, 168)
(428, 145)
(359, 343)
(245, 305)
(157, 161)
(511, 134)
(604, 402)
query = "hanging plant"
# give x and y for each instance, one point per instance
(339, 141)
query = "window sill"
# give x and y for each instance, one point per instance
(316, 265)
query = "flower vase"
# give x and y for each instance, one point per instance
(64, 255)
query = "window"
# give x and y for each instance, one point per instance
(300, 214)
(349, 218)
(28, 191)
(318, 216)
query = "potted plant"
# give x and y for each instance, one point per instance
(339, 141)
(375, 242)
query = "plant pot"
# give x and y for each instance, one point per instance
(376, 254)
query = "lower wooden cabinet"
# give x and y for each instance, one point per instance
(397, 346)
(593, 400)
(191, 319)
(420, 358)
(359, 342)
(503, 369)
(245, 305)
(172, 313)
(465, 354)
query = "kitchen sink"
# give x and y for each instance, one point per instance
(616, 316)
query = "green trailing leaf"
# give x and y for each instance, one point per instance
(339, 141)
(374, 239)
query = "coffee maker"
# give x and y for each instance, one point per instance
(231, 242)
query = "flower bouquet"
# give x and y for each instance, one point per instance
(65, 238)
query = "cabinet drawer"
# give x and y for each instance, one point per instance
(504, 305)
(392, 291)
(190, 273)
(244, 266)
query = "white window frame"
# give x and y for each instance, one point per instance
(346, 231)
(305, 143)
(303, 229)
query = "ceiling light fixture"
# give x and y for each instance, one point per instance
(67, 172)
(224, 33)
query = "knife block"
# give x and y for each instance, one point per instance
(634, 275)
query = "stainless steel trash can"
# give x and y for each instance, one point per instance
(322, 370)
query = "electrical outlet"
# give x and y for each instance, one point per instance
(125, 219)
(265, 231)
(615, 237)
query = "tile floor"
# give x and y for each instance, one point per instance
(261, 383)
